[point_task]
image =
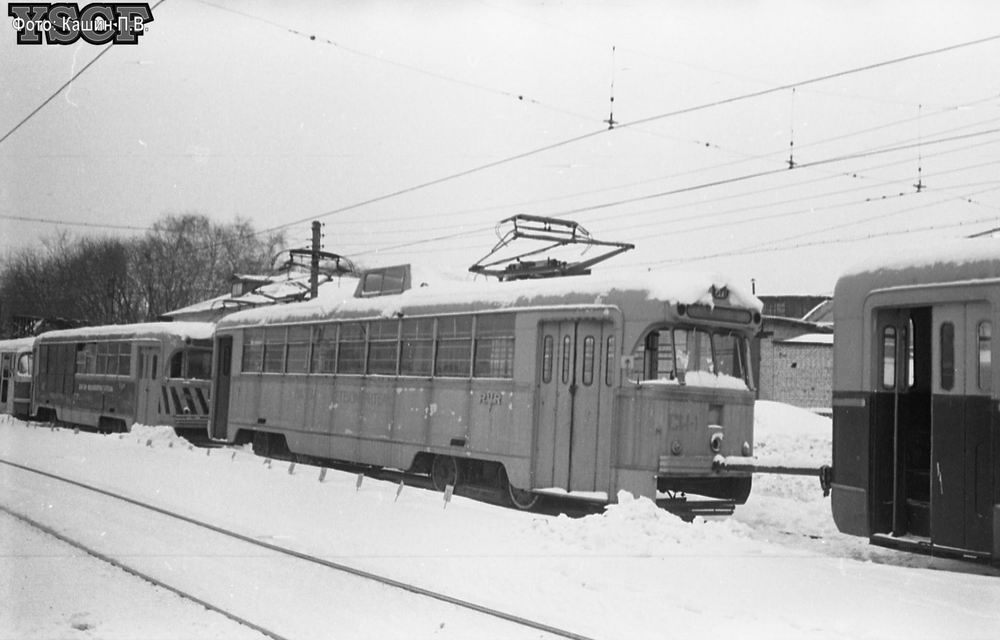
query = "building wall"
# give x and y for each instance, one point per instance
(798, 374)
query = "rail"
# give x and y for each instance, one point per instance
(384, 580)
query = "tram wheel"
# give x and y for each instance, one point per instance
(514, 497)
(445, 471)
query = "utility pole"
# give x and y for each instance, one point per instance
(314, 263)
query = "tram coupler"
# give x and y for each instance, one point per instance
(741, 464)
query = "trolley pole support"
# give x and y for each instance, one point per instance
(314, 261)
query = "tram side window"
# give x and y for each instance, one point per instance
(274, 349)
(297, 352)
(947, 356)
(454, 346)
(494, 346)
(609, 364)
(588, 361)
(985, 356)
(253, 351)
(24, 364)
(547, 345)
(383, 347)
(175, 369)
(124, 359)
(730, 355)
(351, 348)
(889, 358)
(417, 336)
(693, 350)
(199, 364)
(324, 351)
(567, 354)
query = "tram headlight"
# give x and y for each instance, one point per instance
(715, 442)
(747, 449)
(676, 448)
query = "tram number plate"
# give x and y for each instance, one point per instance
(491, 398)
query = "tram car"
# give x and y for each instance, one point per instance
(585, 385)
(111, 377)
(916, 430)
(15, 377)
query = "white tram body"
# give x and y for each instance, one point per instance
(916, 400)
(15, 377)
(113, 376)
(581, 384)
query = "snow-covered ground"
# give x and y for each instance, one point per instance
(776, 569)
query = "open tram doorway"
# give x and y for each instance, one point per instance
(931, 461)
(901, 429)
(219, 419)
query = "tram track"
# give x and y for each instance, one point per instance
(268, 546)
(76, 544)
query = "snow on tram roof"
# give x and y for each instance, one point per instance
(192, 330)
(17, 344)
(432, 289)
(968, 258)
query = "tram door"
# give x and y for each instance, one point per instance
(901, 430)
(961, 475)
(6, 382)
(223, 371)
(570, 384)
(147, 388)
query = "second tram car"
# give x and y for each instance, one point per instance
(916, 404)
(581, 384)
(15, 377)
(111, 377)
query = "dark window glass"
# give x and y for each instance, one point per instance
(324, 351)
(417, 347)
(176, 365)
(729, 355)
(567, 355)
(124, 359)
(454, 346)
(547, 346)
(383, 347)
(102, 358)
(351, 348)
(199, 364)
(297, 355)
(588, 361)
(494, 346)
(609, 363)
(253, 350)
(274, 349)
(947, 356)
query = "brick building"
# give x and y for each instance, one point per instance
(794, 355)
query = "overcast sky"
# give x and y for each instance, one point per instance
(232, 109)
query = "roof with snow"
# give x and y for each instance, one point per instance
(150, 330)
(17, 344)
(956, 261)
(432, 289)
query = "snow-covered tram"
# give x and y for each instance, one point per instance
(114, 376)
(15, 377)
(585, 385)
(916, 402)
